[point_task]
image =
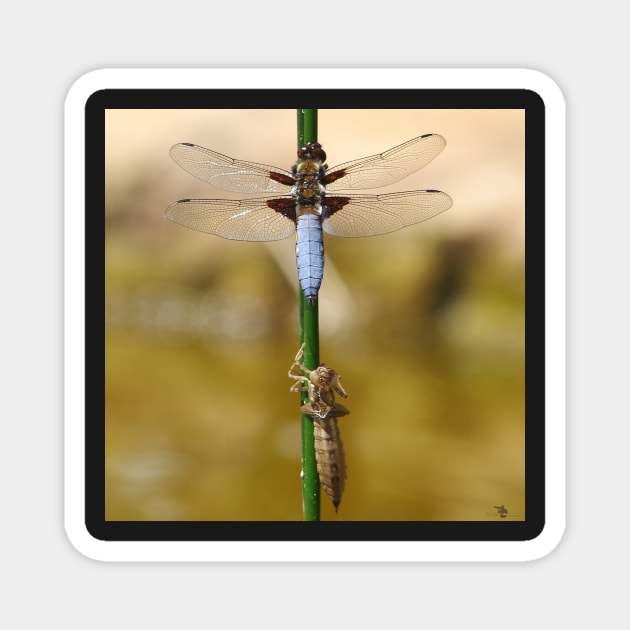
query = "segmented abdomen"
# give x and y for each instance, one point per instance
(309, 251)
(331, 459)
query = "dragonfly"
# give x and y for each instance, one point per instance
(321, 385)
(300, 202)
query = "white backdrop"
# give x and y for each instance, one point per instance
(46, 579)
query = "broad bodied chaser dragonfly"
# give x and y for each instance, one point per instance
(305, 204)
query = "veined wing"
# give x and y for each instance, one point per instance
(385, 168)
(369, 215)
(228, 174)
(269, 219)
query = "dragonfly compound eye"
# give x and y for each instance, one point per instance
(312, 151)
(325, 377)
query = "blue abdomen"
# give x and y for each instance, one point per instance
(309, 251)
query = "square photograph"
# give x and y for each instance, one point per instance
(314, 315)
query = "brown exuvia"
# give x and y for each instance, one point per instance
(321, 385)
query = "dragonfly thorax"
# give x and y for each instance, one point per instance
(308, 172)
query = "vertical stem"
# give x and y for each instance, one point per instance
(307, 126)
(309, 335)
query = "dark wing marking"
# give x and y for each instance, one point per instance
(385, 168)
(369, 215)
(229, 174)
(244, 220)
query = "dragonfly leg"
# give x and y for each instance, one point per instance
(302, 375)
(298, 389)
(301, 380)
(340, 390)
(297, 371)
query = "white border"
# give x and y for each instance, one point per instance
(285, 551)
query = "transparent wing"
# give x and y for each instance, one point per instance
(229, 174)
(385, 168)
(369, 215)
(245, 220)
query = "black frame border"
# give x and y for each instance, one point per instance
(102, 529)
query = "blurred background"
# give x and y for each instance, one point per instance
(425, 326)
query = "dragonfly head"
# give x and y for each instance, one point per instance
(312, 151)
(323, 377)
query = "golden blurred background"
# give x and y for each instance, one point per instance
(426, 327)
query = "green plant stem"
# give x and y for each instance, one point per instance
(309, 335)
